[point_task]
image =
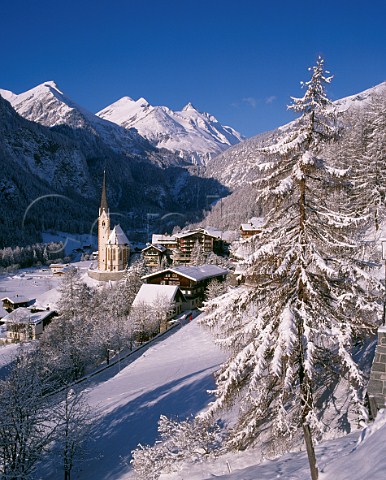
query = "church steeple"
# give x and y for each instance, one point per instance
(104, 205)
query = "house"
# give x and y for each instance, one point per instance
(22, 324)
(179, 247)
(153, 294)
(16, 301)
(186, 241)
(192, 280)
(153, 255)
(167, 241)
(253, 227)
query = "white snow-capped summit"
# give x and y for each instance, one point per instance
(194, 136)
(46, 104)
(7, 95)
(188, 106)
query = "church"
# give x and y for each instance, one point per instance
(113, 245)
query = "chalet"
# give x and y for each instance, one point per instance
(186, 241)
(22, 324)
(153, 255)
(151, 294)
(167, 241)
(16, 301)
(253, 227)
(192, 280)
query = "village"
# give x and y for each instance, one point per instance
(181, 271)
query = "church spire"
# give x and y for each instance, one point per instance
(104, 205)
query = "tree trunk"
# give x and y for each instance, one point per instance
(310, 451)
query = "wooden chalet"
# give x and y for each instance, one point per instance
(153, 255)
(253, 227)
(187, 240)
(192, 280)
(16, 301)
(167, 241)
(151, 294)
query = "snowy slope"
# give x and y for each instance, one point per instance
(171, 378)
(194, 136)
(46, 104)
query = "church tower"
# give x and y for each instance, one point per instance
(103, 228)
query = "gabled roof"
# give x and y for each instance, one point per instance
(149, 294)
(160, 248)
(255, 223)
(18, 299)
(195, 273)
(24, 315)
(117, 237)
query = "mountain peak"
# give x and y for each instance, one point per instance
(51, 84)
(188, 106)
(142, 102)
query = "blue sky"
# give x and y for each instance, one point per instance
(239, 60)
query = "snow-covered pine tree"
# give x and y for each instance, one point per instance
(369, 166)
(197, 256)
(308, 298)
(189, 440)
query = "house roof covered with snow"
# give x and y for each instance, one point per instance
(188, 233)
(16, 299)
(24, 315)
(149, 294)
(195, 273)
(117, 237)
(254, 223)
(158, 247)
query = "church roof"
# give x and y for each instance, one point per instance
(117, 237)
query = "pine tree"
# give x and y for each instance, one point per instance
(310, 297)
(197, 256)
(369, 166)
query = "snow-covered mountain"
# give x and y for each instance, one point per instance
(237, 165)
(38, 160)
(194, 136)
(46, 104)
